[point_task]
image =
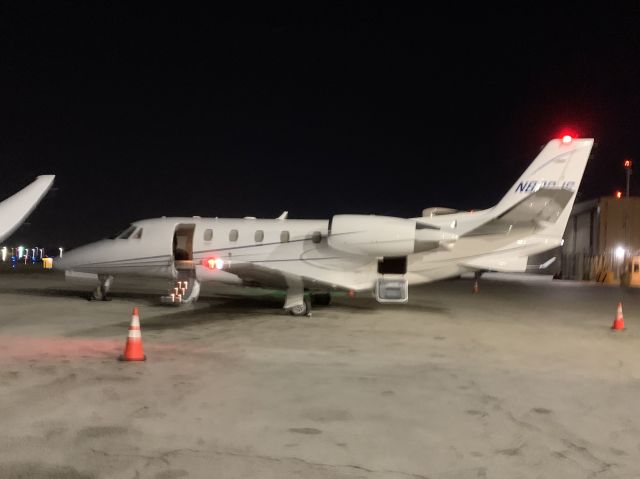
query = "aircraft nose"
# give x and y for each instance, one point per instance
(68, 261)
(62, 263)
(83, 257)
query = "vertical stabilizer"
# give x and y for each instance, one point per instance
(560, 164)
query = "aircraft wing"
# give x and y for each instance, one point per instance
(254, 274)
(541, 208)
(15, 209)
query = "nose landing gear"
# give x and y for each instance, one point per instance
(101, 292)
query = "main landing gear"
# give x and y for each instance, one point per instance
(301, 309)
(298, 303)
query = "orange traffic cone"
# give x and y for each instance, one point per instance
(133, 349)
(618, 323)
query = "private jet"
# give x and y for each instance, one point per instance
(310, 259)
(15, 209)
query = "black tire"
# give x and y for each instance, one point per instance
(303, 309)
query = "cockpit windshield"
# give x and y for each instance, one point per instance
(126, 233)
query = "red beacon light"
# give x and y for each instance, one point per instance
(213, 263)
(567, 139)
(618, 194)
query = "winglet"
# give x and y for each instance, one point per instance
(16, 208)
(283, 216)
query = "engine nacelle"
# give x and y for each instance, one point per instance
(370, 235)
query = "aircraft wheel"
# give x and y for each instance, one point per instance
(303, 309)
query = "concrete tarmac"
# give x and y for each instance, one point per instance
(523, 380)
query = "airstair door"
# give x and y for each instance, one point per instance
(183, 246)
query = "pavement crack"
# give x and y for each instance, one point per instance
(292, 459)
(586, 454)
(149, 459)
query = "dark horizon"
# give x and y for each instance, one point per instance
(352, 109)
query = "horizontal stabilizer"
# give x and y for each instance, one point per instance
(544, 265)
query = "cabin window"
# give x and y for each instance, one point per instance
(284, 237)
(259, 236)
(138, 234)
(233, 235)
(316, 237)
(208, 234)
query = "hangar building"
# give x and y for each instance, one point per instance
(596, 231)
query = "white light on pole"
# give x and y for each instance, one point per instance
(627, 167)
(60, 248)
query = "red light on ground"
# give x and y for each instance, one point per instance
(618, 194)
(628, 163)
(567, 139)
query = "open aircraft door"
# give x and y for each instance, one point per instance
(183, 246)
(186, 288)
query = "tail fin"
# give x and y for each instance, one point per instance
(559, 166)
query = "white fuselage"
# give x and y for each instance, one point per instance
(296, 247)
(354, 252)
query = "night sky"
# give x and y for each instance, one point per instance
(142, 111)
